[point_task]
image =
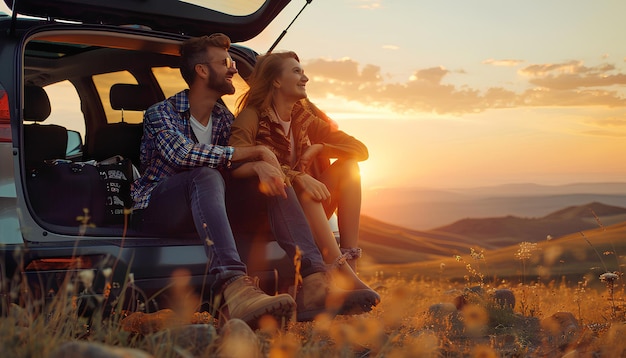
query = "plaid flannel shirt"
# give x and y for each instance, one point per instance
(169, 146)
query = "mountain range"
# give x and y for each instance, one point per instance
(426, 209)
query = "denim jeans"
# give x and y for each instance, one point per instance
(196, 199)
(250, 211)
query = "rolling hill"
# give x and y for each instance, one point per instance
(384, 243)
(504, 231)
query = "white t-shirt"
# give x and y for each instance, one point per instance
(287, 128)
(203, 133)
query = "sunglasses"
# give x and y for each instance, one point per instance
(228, 62)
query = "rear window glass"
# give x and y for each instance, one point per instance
(103, 83)
(232, 7)
(171, 82)
(65, 107)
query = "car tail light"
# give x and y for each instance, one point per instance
(5, 118)
(61, 263)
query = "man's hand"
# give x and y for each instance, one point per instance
(257, 152)
(309, 155)
(271, 179)
(266, 155)
(313, 187)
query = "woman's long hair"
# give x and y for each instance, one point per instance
(267, 69)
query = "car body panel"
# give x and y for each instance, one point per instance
(45, 53)
(171, 16)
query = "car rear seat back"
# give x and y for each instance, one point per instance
(123, 138)
(41, 141)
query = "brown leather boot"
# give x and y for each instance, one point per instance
(320, 293)
(344, 273)
(311, 297)
(243, 299)
(363, 297)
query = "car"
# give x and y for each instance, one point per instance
(71, 108)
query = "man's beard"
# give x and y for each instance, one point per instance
(220, 84)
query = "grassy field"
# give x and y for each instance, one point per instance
(407, 323)
(443, 307)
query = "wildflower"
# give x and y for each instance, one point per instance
(457, 258)
(526, 250)
(477, 255)
(86, 278)
(609, 277)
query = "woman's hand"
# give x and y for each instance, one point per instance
(271, 179)
(313, 187)
(309, 155)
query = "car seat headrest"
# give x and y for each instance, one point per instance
(131, 97)
(36, 104)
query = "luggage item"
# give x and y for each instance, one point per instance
(116, 174)
(70, 193)
(67, 193)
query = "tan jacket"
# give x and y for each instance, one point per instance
(253, 127)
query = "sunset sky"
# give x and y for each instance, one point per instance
(453, 94)
(469, 92)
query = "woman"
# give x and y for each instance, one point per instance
(275, 112)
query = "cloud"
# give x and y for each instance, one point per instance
(505, 63)
(567, 84)
(391, 47)
(433, 75)
(573, 75)
(345, 71)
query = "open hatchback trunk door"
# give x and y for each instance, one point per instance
(241, 20)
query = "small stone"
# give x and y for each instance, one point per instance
(79, 349)
(504, 298)
(561, 329)
(238, 340)
(195, 338)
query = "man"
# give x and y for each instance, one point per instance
(183, 149)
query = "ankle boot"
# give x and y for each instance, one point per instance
(345, 275)
(244, 300)
(320, 293)
(311, 297)
(363, 298)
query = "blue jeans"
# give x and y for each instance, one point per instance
(251, 212)
(196, 199)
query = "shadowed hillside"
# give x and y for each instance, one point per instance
(386, 243)
(389, 244)
(504, 231)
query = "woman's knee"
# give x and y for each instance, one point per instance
(346, 169)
